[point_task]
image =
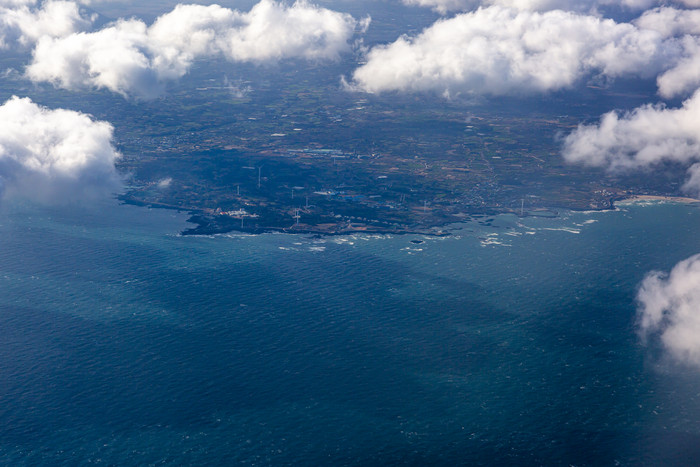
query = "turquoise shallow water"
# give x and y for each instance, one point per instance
(511, 342)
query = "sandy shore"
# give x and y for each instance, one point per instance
(642, 198)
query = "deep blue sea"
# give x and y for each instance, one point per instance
(511, 342)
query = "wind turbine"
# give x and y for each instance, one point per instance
(259, 170)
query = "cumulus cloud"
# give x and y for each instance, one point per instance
(445, 6)
(670, 21)
(648, 135)
(669, 308)
(683, 77)
(54, 155)
(497, 50)
(117, 58)
(130, 57)
(16, 3)
(22, 23)
(692, 185)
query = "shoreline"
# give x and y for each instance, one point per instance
(644, 198)
(203, 230)
(206, 225)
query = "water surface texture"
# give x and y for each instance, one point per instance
(511, 342)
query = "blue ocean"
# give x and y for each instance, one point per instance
(510, 342)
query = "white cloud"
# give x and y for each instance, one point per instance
(643, 137)
(22, 23)
(496, 50)
(54, 155)
(129, 57)
(692, 184)
(116, 58)
(670, 21)
(631, 4)
(445, 6)
(16, 3)
(683, 77)
(669, 307)
(164, 183)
